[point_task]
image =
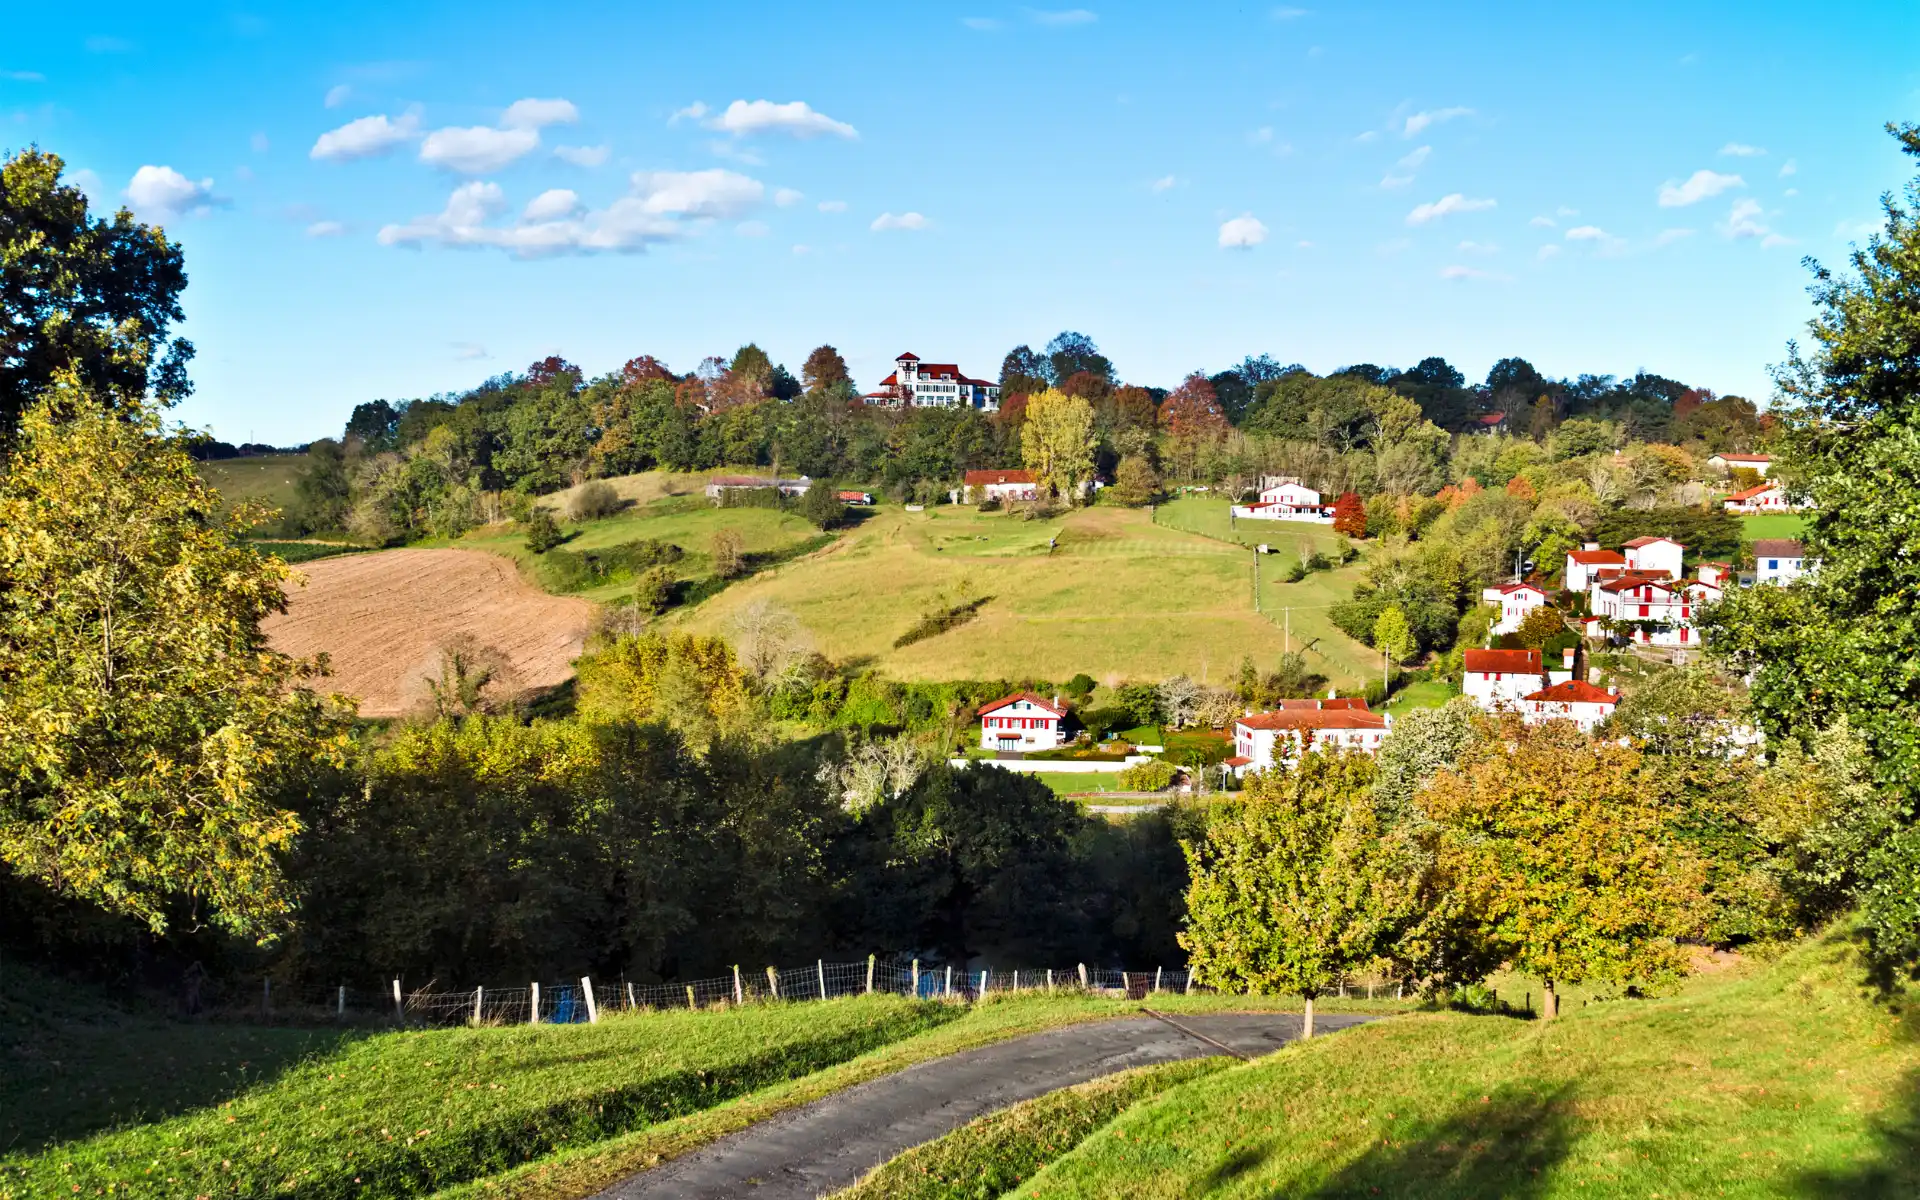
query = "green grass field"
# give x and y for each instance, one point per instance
(1773, 525)
(1424, 693)
(1118, 597)
(268, 479)
(1066, 783)
(1777, 1081)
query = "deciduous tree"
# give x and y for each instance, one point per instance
(1056, 442)
(824, 369)
(1350, 515)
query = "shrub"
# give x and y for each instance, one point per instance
(653, 593)
(1099, 722)
(729, 553)
(543, 532)
(990, 505)
(821, 505)
(573, 571)
(1150, 776)
(1080, 686)
(593, 501)
(1296, 572)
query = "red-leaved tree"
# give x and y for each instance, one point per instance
(1350, 515)
(1193, 408)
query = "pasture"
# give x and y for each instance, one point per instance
(267, 479)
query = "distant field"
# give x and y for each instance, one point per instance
(1066, 783)
(1118, 597)
(1773, 525)
(268, 479)
(383, 619)
(1427, 693)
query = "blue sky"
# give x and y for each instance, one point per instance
(382, 200)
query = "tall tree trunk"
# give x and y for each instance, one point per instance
(1306, 1024)
(1549, 1001)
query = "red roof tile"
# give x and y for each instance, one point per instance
(1576, 691)
(1638, 542)
(1505, 662)
(1602, 558)
(1238, 760)
(982, 478)
(1294, 718)
(1036, 701)
(1755, 490)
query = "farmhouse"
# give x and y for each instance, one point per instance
(1498, 679)
(1516, 600)
(1000, 485)
(719, 485)
(1757, 463)
(919, 384)
(1655, 556)
(1266, 739)
(1020, 723)
(1287, 500)
(1779, 560)
(1760, 498)
(1493, 422)
(1574, 700)
(1582, 563)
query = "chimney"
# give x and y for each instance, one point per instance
(1566, 659)
(1591, 546)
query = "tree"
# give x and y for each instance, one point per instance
(543, 532)
(1350, 515)
(1295, 886)
(690, 682)
(729, 553)
(1560, 844)
(80, 296)
(821, 504)
(824, 369)
(1540, 626)
(1193, 409)
(1070, 353)
(1056, 443)
(323, 495)
(147, 730)
(1134, 481)
(1423, 742)
(1178, 700)
(1394, 639)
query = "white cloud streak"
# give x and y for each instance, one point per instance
(906, 220)
(583, 156)
(1741, 150)
(796, 118)
(1243, 232)
(326, 229)
(336, 95)
(1445, 206)
(1426, 120)
(1062, 18)
(477, 149)
(538, 114)
(1701, 185)
(161, 193)
(367, 137)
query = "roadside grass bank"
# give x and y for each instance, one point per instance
(995, 1154)
(581, 1170)
(1783, 1080)
(401, 1114)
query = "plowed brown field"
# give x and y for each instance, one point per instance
(383, 620)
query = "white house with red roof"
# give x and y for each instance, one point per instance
(1000, 485)
(1582, 563)
(1574, 700)
(1497, 680)
(1288, 500)
(1020, 723)
(920, 384)
(1759, 464)
(1655, 556)
(1267, 739)
(1760, 498)
(1516, 600)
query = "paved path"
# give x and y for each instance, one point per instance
(829, 1144)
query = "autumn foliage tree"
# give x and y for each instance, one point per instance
(1350, 515)
(1057, 442)
(1193, 409)
(824, 369)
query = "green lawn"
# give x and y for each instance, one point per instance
(1425, 693)
(1772, 525)
(268, 479)
(1065, 783)
(1779, 1081)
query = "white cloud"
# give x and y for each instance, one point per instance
(1669, 236)
(1544, 223)
(1701, 185)
(1062, 18)
(1456, 271)
(1369, 136)
(551, 205)
(1304, 244)
(1741, 150)
(692, 112)
(1789, 167)
(469, 351)
(906, 220)
(1587, 233)
(1744, 222)
(729, 151)
(1409, 163)
(1548, 251)
(1423, 120)
(1242, 233)
(978, 24)
(259, 143)
(477, 148)
(788, 197)
(796, 117)
(1412, 160)
(1564, 211)
(715, 192)
(832, 206)
(538, 114)
(326, 229)
(1791, 192)
(1856, 229)
(23, 76)
(1162, 184)
(752, 229)
(802, 248)
(1478, 248)
(364, 138)
(1261, 136)
(1454, 203)
(582, 156)
(1288, 14)
(159, 193)
(337, 95)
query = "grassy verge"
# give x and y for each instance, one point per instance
(1786, 1080)
(1067, 783)
(404, 1113)
(299, 552)
(996, 1153)
(1425, 693)
(582, 1170)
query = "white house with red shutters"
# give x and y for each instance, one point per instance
(918, 384)
(1497, 680)
(1760, 498)
(1267, 739)
(1583, 563)
(1021, 723)
(1516, 600)
(1574, 700)
(1000, 485)
(1288, 500)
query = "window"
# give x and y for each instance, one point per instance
(1773, 564)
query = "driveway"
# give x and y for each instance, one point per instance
(829, 1144)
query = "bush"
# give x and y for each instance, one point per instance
(1150, 776)
(1296, 572)
(821, 505)
(653, 593)
(593, 501)
(990, 505)
(573, 571)
(1080, 686)
(1099, 722)
(729, 553)
(543, 532)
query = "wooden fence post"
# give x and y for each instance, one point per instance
(1156, 980)
(739, 997)
(630, 1004)
(1016, 981)
(870, 961)
(533, 1004)
(982, 994)
(1049, 979)
(690, 1003)
(479, 994)
(820, 965)
(399, 1010)
(916, 979)
(340, 1004)
(1191, 972)
(949, 990)
(773, 982)
(1083, 975)
(593, 1009)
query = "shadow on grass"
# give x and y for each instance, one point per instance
(1503, 1146)
(1894, 1169)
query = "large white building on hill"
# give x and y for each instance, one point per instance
(919, 384)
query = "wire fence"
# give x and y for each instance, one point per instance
(585, 1000)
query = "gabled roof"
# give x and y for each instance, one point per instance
(1598, 558)
(1778, 548)
(1492, 418)
(1315, 718)
(1510, 588)
(1636, 579)
(1029, 697)
(1238, 760)
(1732, 457)
(1755, 490)
(1506, 662)
(1638, 542)
(1331, 704)
(907, 357)
(981, 478)
(1576, 691)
